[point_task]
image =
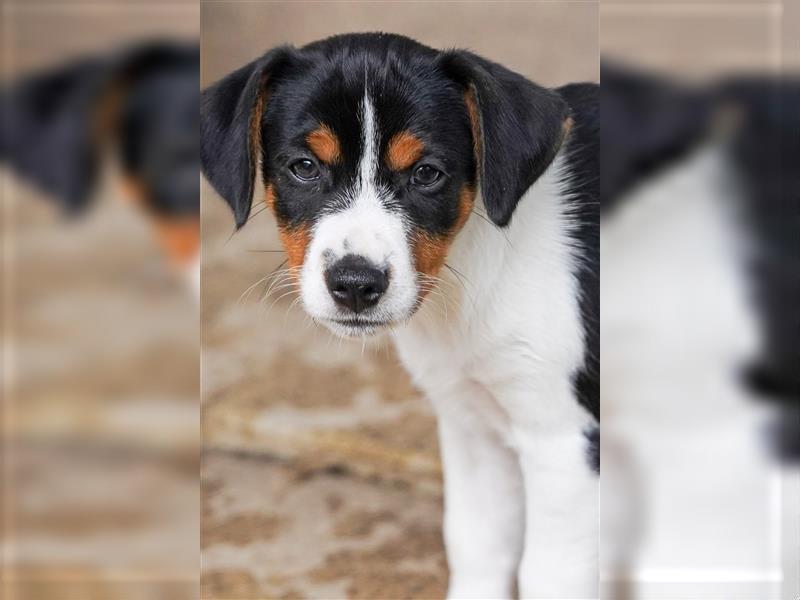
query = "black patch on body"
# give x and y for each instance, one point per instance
(581, 188)
(766, 154)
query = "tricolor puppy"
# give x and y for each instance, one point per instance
(447, 200)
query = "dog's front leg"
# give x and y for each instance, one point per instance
(484, 503)
(561, 517)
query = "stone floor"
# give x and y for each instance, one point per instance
(273, 530)
(321, 476)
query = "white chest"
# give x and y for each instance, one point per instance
(505, 316)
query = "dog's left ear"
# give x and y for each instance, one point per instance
(517, 126)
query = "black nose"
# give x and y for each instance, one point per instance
(355, 283)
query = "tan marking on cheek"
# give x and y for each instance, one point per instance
(324, 144)
(403, 151)
(429, 253)
(180, 239)
(295, 241)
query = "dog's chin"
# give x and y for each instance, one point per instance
(356, 327)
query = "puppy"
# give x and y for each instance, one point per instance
(142, 102)
(442, 198)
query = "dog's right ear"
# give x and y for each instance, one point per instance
(230, 124)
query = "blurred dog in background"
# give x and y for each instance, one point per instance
(141, 103)
(700, 200)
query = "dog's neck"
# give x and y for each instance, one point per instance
(482, 252)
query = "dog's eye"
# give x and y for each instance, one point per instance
(425, 175)
(304, 169)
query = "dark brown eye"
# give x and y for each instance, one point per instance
(425, 175)
(304, 169)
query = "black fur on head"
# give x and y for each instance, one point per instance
(520, 125)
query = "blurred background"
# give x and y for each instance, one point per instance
(321, 475)
(100, 359)
(699, 293)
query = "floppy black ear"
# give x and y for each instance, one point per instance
(230, 124)
(55, 123)
(47, 130)
(518, 125)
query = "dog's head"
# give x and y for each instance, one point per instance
(140, 102)
(374, 150)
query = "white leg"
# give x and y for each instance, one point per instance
(484, 503)
(561, 517)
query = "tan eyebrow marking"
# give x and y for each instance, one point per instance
(324, 144)
(403, 151)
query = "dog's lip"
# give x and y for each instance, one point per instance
(359, 322)
(353, 327)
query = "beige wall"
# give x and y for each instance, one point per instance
(549, 42)
(695, 41)
(40, 34)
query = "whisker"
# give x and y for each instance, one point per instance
(277, 281)
(288, 285)
(459, 276)
(291, 306)
(274, 273)
(502, 231)
(256, 213)
(278, 299)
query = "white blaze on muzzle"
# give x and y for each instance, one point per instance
(366, 229)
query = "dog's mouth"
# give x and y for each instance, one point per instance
(357, 326)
